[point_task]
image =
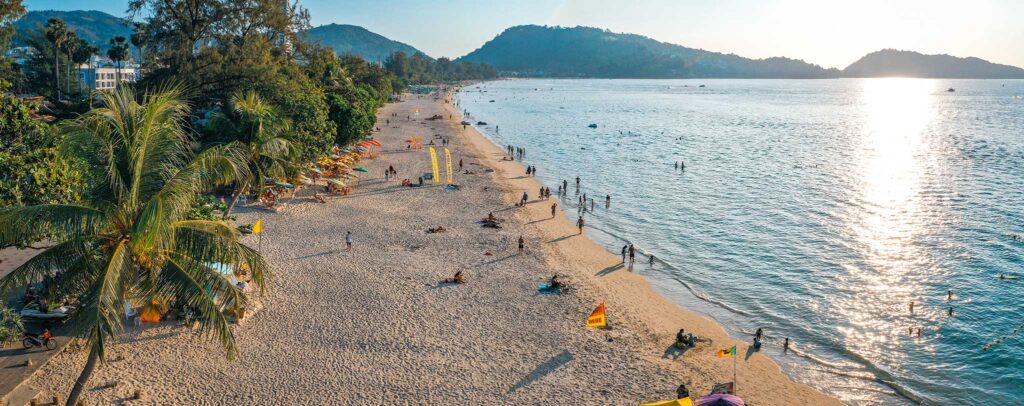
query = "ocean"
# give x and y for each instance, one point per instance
(815, 209)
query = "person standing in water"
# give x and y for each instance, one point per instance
(785, 345)
(677, 165)
(624, 248)
(577, 185)
(950, 311)
(949, 295)
(651, 262)
(632, 254)
(608, 201)
(911, 307)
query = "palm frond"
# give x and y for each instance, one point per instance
(63, 257)
(207, 292)
(103, 303)
(26, 224)
(207, 247)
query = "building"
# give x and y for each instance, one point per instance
(101, 73)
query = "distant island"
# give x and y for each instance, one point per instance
(585, 52)
(532, 50)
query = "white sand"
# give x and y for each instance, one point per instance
(367, 327)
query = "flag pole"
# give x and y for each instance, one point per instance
(735, 382)
(259, 243)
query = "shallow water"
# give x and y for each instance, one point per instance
(816, 209)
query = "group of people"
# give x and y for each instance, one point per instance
(545, 193)
(531, 170)
(514, 151)
(390, 173)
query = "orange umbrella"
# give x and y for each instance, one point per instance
(375, 142)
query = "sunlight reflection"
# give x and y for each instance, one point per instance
(891, 157)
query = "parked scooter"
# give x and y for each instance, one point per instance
(39, 340)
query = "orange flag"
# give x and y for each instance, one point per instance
(597, 318)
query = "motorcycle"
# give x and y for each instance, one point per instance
(39, 340)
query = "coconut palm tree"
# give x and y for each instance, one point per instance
(130, 240)
(261, 132)
(56, 32)
(71, 43)
(139, 38)
(118, 53)
(83, 53)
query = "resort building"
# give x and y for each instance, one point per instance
(103, 74)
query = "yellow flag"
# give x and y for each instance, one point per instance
(677, 402)
(448, 159)
(433, 165)
(597, 318)
(258, 227)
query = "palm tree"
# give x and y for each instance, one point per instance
(259, 131)
(83, 52)
(130, 239)
(71, 44)
(118, 52)
(56, 33)
(140, 37)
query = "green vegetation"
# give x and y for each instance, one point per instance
(129, 240)
(351, 39)
(32, 171)
(420, 69)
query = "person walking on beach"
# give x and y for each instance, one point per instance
(580, 223)
(553, 207)
(624, 248)
(348, 241)
(632, 254)
(528, 170)
(521, 244)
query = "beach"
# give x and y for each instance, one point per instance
(372, 324)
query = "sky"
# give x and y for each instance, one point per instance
(831, 33)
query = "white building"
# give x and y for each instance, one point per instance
(102, 74)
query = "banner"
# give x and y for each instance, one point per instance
(597, 318)
(448, 158)
(258, 227)
(433, 165)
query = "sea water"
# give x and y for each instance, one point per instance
(815, 209)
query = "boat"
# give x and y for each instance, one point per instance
(701, 86)
(592, 126)
(951, 90)
(481, 123)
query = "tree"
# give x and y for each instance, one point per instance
(70, 45)
(32, 170)
(118, 53)
(139, 39)
(83, 53)
(129, 240)
(10, 11)
(260, 132)
(56, 34)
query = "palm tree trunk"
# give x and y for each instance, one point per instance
(56, 71)
(90, 365)
(233, 201)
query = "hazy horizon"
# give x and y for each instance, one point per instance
(831, 35)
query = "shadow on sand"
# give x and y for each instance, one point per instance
(609, 269)
(543, 370)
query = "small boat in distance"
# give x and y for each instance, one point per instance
(701, 85)
(592, 126)
(951, 90)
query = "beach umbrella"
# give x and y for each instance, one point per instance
(375, 142)
(364, 144)
(285, 185)
(360, 169)
(676, 402)
(719, 399)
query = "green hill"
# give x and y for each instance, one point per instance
(95, 27)
(891, 62)
(533, 50)
(357, 40)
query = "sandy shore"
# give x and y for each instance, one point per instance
(370, 326)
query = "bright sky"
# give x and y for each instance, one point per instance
(832, 33)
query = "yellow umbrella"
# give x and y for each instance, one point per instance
(677, 402)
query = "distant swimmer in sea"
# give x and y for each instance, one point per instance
(911, 307)
(950, 311)
(949, 295)
(608, 201)
(677, 165)
(785, 345)
(651, 262)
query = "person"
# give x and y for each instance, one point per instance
(541, 192)
(591, 204)
(918, 331)
(460, 164)
(681, 339)
(533, 172)
(458, 279)
(632, 254)
(522, 201)
(757, 336)
(682, 392)
(950, 311)
(528, 170)
(559, 190)
(677, 165)
(911, 307)
(949, 295)
(579, 223)
(421, 181)
(624, 248)
(387, 176)
(553, 207)
(607, 201)
(785, 345)
(554, 283)
(565, 185)
(348, 241)
(651, 262)
(522, 243)
(682, 165)
(577, 184)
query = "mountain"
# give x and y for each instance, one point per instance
(95, 27)
(358, 40)
(891, 62)
(533, 50)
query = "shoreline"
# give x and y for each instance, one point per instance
(652, 312)
(373, 325)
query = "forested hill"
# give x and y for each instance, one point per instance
(95, 27)
(533, 50)
(345, 38)
(891, 62)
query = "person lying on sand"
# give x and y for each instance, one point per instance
(554, 283)
(457, 279)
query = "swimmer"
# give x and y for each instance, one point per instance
(911, 307)
(785, 345)
(949, 295)
(950, 311)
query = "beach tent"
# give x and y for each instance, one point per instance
(360, 169)
(719, 399)
(677, 402)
